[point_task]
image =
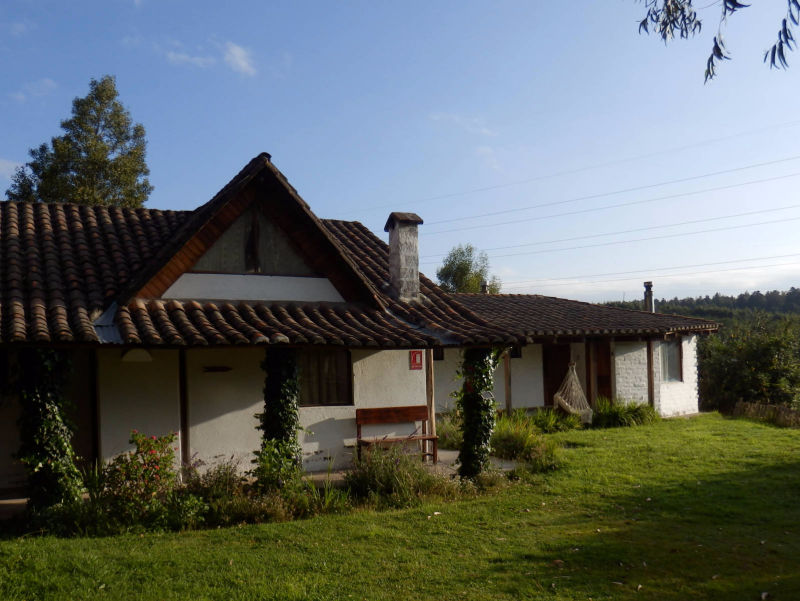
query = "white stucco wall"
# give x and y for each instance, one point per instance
(527, 378)
(527, 383)
(445, 381)
(380, 379)
(630, 371)
(222, 405)
(678, 398)
(226, 286)
(142, 396)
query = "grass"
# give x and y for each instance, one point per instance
(702, 508)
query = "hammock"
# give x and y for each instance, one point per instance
(570, 396)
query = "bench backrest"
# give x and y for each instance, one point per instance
(392, 415)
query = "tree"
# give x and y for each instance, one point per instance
(677, 18)
(99, 160)
(465, 269)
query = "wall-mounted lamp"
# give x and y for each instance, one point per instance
(137, 355)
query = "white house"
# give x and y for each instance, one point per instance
(618, 353)
(166, 315)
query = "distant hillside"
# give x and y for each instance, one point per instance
(726, 309)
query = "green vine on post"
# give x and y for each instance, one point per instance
(279, 458)
(45, 431)
(477, 409)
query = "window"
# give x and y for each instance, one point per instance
(671, 361)
(438, 353)
(324, 377)
(516, 352)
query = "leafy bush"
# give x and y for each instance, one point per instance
(276, 466)
(477, 409)
(550, 420)
(392, 478)
(136, 484)
(756, 361)
(512, 434)
(613, 414)
(45, 431)
(517, 438)
(220, 481)
(448, 429)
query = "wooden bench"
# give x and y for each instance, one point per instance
(397, 415)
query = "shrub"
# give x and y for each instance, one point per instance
(221, 481)
(613, 414)
(45, 431)
(512, 434)
(550, 420)
(276, 466)
(755, 361)
(136, 484)
(448, 428)
(393, 478)
(517, 438)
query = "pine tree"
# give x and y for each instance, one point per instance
(99, 160)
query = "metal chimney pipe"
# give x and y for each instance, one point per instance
(649, 304)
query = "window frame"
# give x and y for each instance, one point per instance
(665, 371)
(345, 355)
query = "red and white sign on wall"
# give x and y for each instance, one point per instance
(414, 359)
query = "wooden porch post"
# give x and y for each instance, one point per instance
(507, 380)
(651, 393)
(184, 406)
(429, 388)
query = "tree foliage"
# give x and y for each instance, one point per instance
(45, 431)
(465, 269)
(677, 18)
(99, 159)
(476, 405)
(279, 459)
(756, 361)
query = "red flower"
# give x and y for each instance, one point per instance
(153, 437)
(152, 451)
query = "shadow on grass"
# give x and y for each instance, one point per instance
(733, 536)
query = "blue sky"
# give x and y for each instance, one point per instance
(583, 157)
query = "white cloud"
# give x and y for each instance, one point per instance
(34, 89)
(182, 58)
(239, 59)
(471, 125)
(7, 168)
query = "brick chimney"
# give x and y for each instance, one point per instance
(403, 255)
(649, 305)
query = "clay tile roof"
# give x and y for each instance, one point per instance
(62, 264)
(533, 315)
(69, 274)
(437, 312)
(179, 323)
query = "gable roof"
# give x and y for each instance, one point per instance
(261, 184)
(80, 274)
(532, 315)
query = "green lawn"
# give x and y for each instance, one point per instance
(702, 508)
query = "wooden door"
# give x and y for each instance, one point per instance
(601, 355)
(555, 363)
